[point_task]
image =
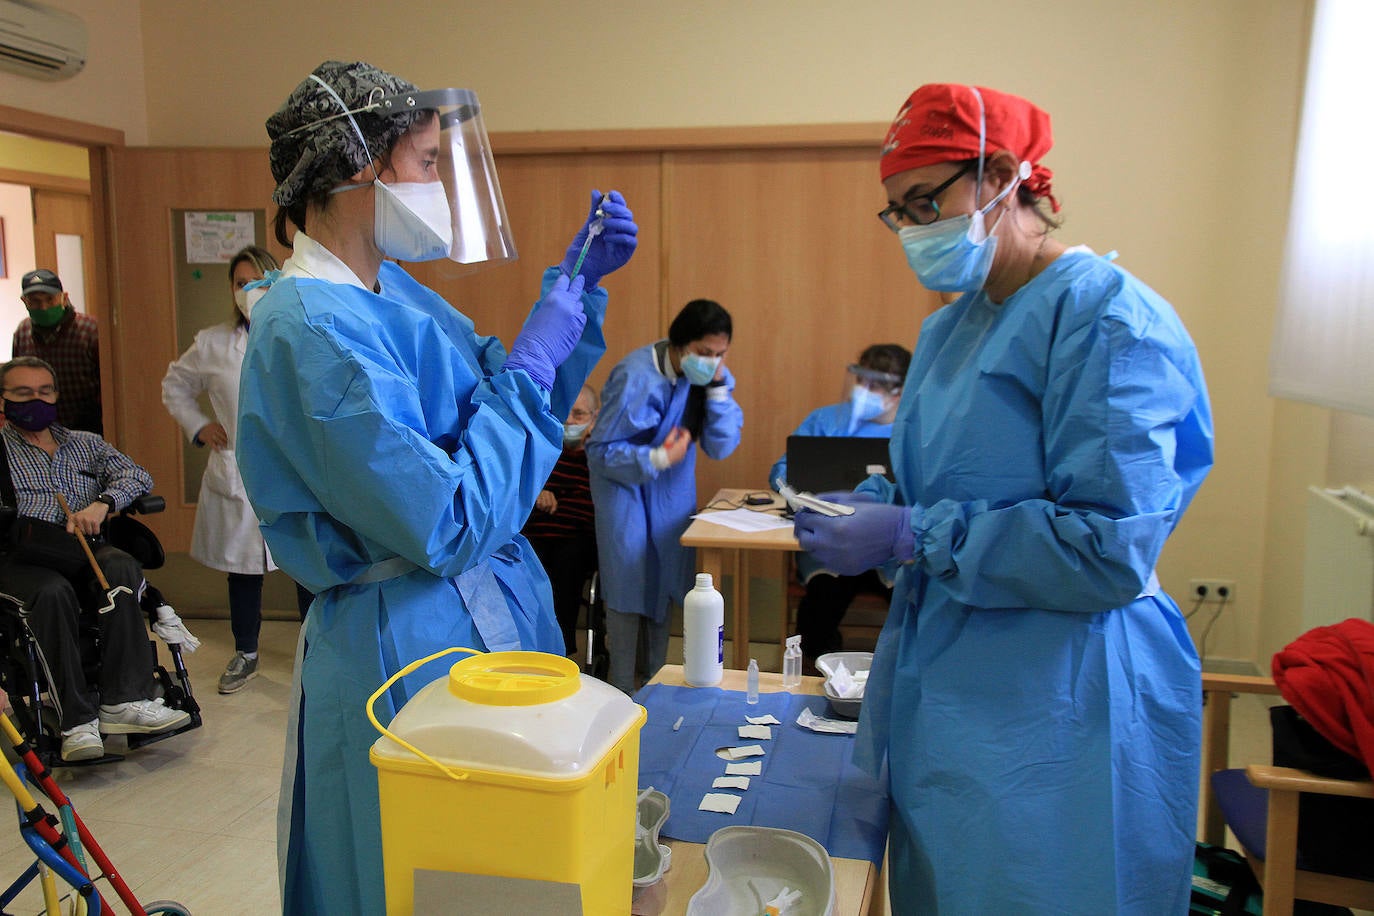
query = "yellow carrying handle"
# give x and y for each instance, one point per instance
(372, 715)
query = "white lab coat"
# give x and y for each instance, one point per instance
(226, 534)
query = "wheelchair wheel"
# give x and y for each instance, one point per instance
(165, 908)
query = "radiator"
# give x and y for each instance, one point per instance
(1338, 571)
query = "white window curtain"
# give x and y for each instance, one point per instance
(1324, 340)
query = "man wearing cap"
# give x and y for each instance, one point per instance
(67, 340)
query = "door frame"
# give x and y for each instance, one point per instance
(103, 292)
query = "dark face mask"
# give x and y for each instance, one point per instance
(35, 415)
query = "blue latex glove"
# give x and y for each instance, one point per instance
(612, 248)
(551, 332)
(853, 544)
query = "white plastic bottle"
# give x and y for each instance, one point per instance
(751, 695)
(791, 663)
(703, 634)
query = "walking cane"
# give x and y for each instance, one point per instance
(110, 593)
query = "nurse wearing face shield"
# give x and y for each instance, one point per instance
(875, 391)
(391, 452)
(1035, 693)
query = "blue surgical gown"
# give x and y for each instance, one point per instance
(831, 420)
(1037, 695)
(641, 512)
(392, 464)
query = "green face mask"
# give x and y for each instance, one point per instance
(49, 317)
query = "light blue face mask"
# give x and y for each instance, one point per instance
(864, 406)
(698, 369)
(955, 255)
(573, 432)
(952, 255)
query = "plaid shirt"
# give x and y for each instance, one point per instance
(72, 348)
(83, 467)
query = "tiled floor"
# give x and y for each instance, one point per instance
(193, 818)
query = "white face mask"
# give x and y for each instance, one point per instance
(413, 221)
(245, 299)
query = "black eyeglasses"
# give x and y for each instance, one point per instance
(921, 210)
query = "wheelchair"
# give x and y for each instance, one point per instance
(23, 669)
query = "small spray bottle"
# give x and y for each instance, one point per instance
(791, 663)
(752, 696)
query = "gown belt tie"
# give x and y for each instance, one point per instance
(386, 569)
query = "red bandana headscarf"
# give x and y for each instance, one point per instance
(939, 123)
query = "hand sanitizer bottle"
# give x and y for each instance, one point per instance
(791, 663)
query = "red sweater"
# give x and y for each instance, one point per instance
(1327, 674)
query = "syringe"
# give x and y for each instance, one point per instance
(592, 232)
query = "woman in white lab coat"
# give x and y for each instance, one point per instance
(226, 535)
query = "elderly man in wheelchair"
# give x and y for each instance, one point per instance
(41, 464)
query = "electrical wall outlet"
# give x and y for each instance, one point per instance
(1211, 590)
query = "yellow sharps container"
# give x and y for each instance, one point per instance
(515, 765)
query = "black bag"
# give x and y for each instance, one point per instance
(38, 542)
(1335, 834)
(33, 540)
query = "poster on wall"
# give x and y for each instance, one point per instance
(214, 236)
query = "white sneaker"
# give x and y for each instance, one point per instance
(140, 717)
(83, 742)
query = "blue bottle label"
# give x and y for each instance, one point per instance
(720, 645)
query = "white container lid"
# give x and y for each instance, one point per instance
(501, 730)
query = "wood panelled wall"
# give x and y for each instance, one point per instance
(774, 223)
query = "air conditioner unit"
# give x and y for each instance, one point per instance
(41, 42)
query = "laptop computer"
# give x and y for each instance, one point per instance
(819, 464)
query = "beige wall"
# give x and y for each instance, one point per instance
(110, 90)
(16, 209)
(1174, 126)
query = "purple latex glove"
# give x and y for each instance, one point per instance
(853, 544)
(551, 332)
(612, 248)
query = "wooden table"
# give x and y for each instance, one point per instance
(858, 887)
(722, 550)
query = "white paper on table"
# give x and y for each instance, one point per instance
(762, 720)
(730, 782)
(757, 732)
(719, 801)
(752, 768)
(748, 750)
(745, 520)
(816, 723)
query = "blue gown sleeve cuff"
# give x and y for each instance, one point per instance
(905, 547)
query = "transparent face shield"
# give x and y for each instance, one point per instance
(480, 228)
(881, 383)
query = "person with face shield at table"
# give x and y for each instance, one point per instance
(391, 452)
(873, 397)
(1035, 693)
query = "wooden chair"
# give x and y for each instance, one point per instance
(1271, 851)
(862, 622)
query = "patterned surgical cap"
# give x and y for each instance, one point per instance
(326, 150)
